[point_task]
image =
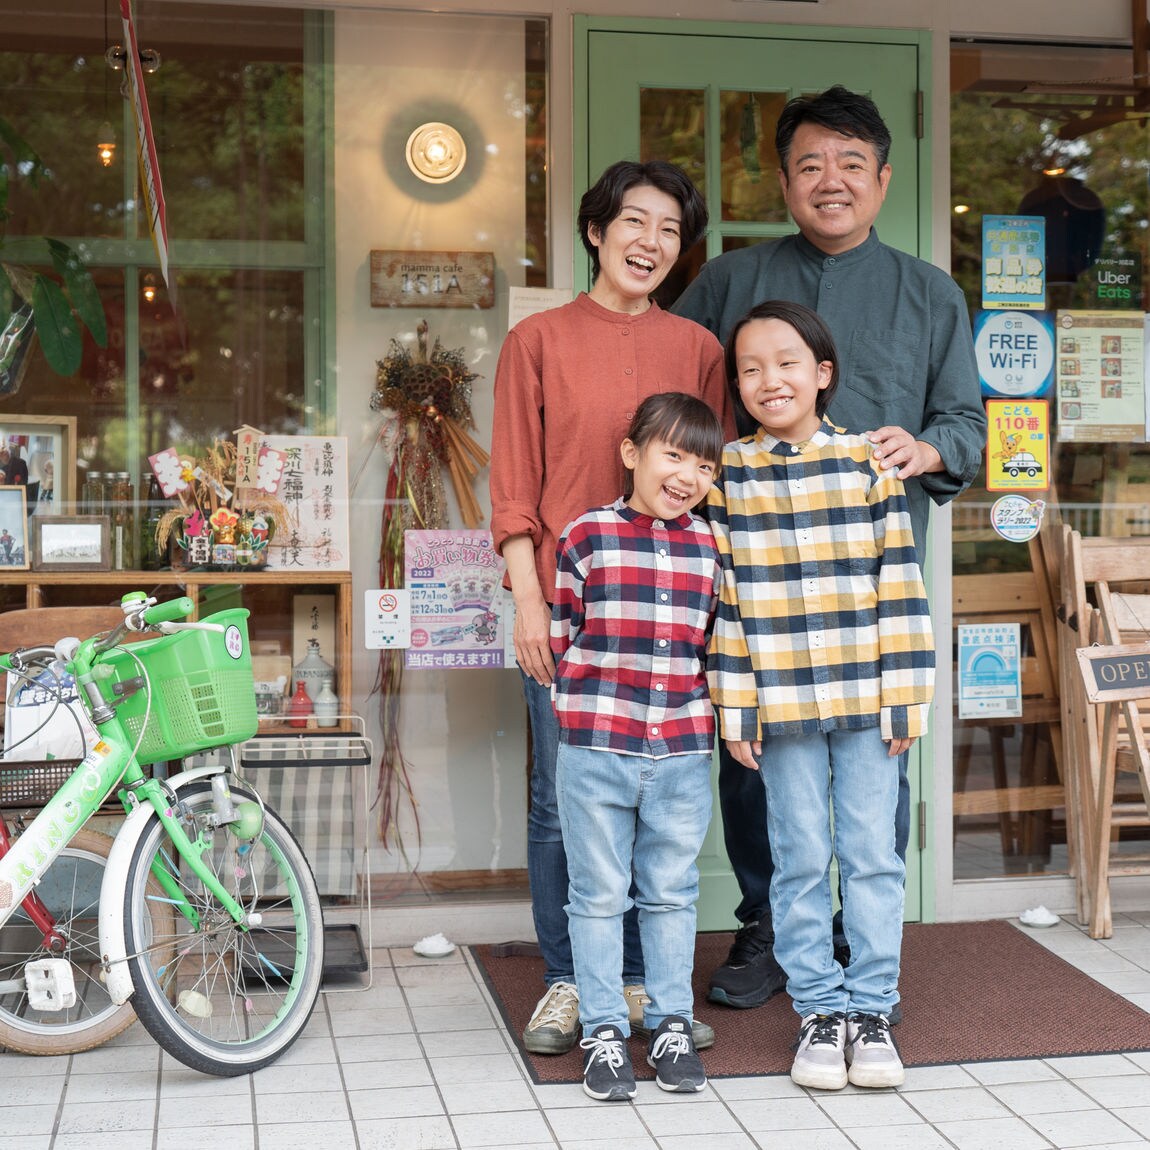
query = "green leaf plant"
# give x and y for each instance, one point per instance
(62, 303)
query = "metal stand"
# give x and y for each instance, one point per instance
(307, 778)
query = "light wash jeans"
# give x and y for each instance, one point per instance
(632, 824)
(546, 857)
(806, 777)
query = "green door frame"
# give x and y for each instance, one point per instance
(719, 892)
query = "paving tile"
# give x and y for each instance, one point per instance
(1026, 1098)
(850, 1109)
(394, 1073)
(329, 1134)
(687, 1115)
(120, 1140)
(1118, 1090)
(226, 1109)
(84, 1118)
(1020, 1070)
(939, 1106)
(993, 1134)
(403, 1103)
(812, 1140)
(512, 1128)
(281, 1078)
(1094, 1065)
(30, 1091)
(492, 1068)
(917, 1137)
(422, 1133)
(483, 1098)
(1085, 1128)
(780, 1114)
(208, 1138)
(606, 1122)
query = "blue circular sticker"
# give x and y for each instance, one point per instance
(1015, 352)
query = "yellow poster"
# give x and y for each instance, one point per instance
(1018, 445)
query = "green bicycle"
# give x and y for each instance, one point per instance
(209, 919)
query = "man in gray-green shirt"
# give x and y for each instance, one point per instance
(908, 376)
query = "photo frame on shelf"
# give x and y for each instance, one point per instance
(13, 529)
(47, 446)
(70, 542)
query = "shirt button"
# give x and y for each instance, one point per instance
(624, 331)
(660, 687)
(628, 371)
(657, 523)
(664, 596)
(830, 261)
(663, 552)
(662, 642)
(654, 731)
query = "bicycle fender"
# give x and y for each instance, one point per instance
(113, 951)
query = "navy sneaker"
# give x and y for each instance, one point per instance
(678, 1067)
(607, 1072)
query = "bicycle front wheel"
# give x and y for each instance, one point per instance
(232, 999)
(71, 893)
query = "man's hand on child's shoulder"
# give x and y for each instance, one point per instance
(745, 752)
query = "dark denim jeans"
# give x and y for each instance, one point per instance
(547, 859)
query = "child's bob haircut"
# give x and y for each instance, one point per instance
(812, 330)
(684, 421)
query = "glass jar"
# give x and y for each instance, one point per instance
(92, 496)
(121, 509)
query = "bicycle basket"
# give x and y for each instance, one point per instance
(202, 689)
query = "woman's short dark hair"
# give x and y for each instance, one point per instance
(840, 110)
(684, 421)
(602, 203)
(812, 330)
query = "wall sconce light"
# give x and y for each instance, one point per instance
(149, 289)
(436, 153)
(106, 144)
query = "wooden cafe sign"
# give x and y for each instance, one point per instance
(1114, 674)
(432, 279)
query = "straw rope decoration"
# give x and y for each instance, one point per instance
(426, 397)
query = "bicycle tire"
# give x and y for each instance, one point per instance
(70, 890)
(231, 1000)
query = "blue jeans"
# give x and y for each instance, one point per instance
(743, 804)
(546, 858)
(806, 777)
(631, 817)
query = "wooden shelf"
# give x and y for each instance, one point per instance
(266, 594)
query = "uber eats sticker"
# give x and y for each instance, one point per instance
(1018, 445)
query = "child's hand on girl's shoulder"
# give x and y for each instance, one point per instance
(898, 746)
(745, 752)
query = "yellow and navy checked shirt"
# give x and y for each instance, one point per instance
(823, 622)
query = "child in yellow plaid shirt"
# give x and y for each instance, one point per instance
(821, 669)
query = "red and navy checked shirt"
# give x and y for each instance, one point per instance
(634, 601)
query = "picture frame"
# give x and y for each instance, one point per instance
(47, 444)
(70, 542)
(13, 529)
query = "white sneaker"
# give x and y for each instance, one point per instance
(819, 1059)
(554, 1025)
(871, 1053)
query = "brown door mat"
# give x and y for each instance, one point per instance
(971, 992)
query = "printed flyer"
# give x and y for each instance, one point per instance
(989, 671)
(1014, 262)
(454, 577)
(1018, 445)
(1101, 377)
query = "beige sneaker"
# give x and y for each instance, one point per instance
(636, 997)
(554, 1026)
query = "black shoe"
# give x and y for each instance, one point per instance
(895, 1016)
(607, 1072)
(678, 1068)
(842, 954)
(750, 976)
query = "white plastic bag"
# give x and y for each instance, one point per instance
(40, 721)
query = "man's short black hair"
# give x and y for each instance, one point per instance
(839, 109)
(603, 202)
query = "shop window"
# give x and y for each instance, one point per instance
(1058, 134)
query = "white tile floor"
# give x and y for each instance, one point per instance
(421, 1062)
